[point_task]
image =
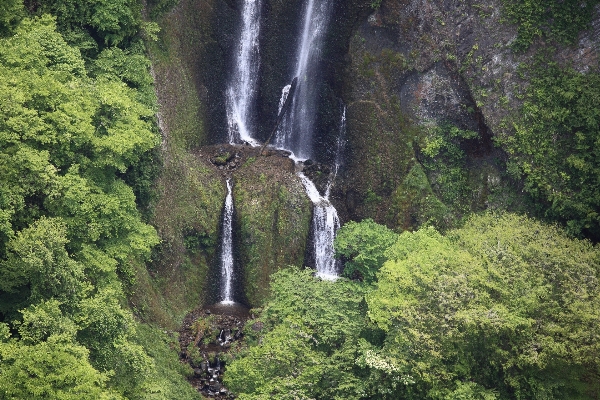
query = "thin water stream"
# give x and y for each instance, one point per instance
(227, 263)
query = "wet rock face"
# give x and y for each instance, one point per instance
(272, 212)
(318, 173)
(470, 39)
(413, 65)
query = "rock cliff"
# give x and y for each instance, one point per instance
(429, 88)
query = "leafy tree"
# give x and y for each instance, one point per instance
(112, 21)
(64, 137)
(68, 221)
(43, 320)
(363, 245)
(55, 369)
(11, 12)
(505, 307)
(38, 259)
(308, 346)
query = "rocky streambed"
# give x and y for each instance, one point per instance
(207, 339)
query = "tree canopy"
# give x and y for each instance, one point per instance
(70, 230)
(504, 308)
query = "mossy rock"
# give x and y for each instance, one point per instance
(379, 156)
(273, 216)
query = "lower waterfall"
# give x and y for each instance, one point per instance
(325, 224)
(227, 263)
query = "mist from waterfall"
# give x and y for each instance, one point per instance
(243, 84)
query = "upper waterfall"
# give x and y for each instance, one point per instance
(297, 129)
(242, 88)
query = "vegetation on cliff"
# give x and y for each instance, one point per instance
(553, 148)
(77, 135)
(503, 308)
(560, 21)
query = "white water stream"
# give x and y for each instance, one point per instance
(241, 92)
(325, 224)
(295, 133)
(296, 130)
(227, 249)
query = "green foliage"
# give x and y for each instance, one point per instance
(43, 320)
(68, 135)
(68, 221)
(130, 66)
(444, 139)
(375, 4)
(445, 163)
(11, 12)
(308, 346)
(557, 20)
(363, 245)
(161, 7)
(167, 377)
(112, 21)
(55, 369)
(554, 146)
(503, 308)
(506, 303)
(37, 258)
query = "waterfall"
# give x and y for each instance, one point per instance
(227, 249)
(325, 223)
(296, 130)
(295, 133)
(241, 91)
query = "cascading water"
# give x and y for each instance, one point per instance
(241, 92)
(325, 218)
(227, 249)
(295, 133)
(325, 224)
(296, 130)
